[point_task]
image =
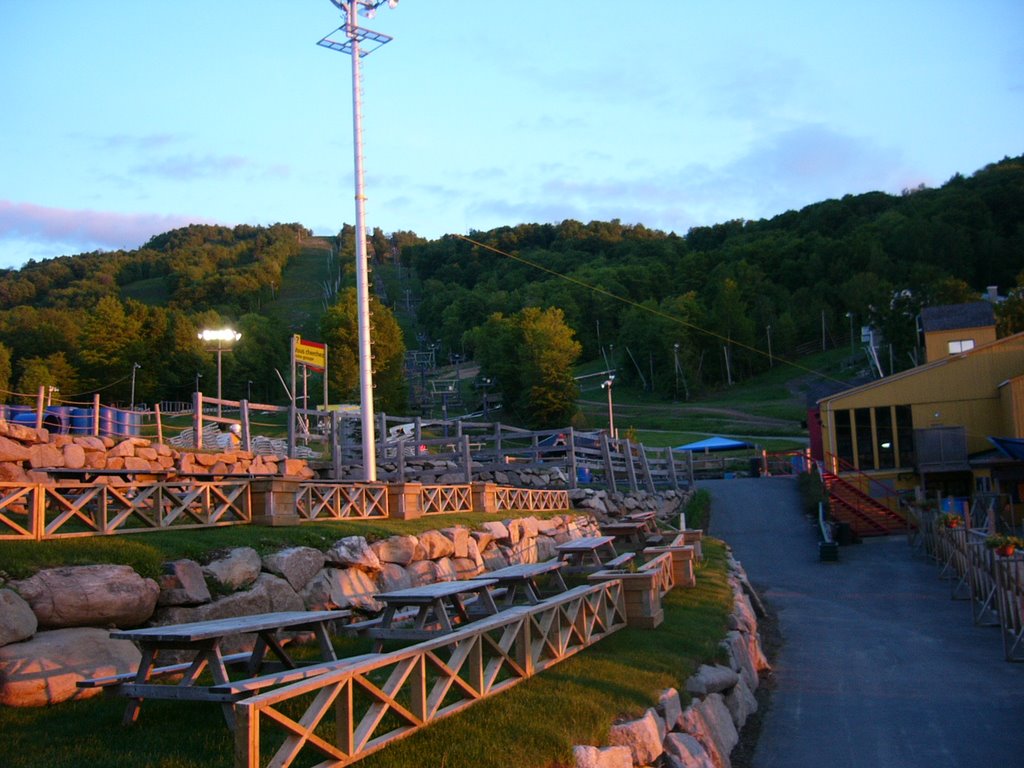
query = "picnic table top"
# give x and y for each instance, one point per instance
(430, 592)
(585, 544)
(522, 570)
(205, 630)
(643, 515)
(623, 526)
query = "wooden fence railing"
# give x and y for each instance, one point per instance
(337, 501)
(66, 510)
(994, 584)
(345, 714)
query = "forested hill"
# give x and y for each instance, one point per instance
(627, 292)
(876, 256)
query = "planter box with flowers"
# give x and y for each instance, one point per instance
(949, 520)
(1003, 544)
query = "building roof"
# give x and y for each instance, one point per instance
(950, 317)
(1013, 340)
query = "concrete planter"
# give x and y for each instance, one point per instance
(682, 562)
(642, 596)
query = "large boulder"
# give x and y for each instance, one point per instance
(396, 549)
(643, 737)
(17, 621)
(296, 565)
(89, 595)
(182, 583)
(353, 551)
(238, 569)
(607, 757)
(45, 669)
(436, 545)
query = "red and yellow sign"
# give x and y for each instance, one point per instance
(311, 354)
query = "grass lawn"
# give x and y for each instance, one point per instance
(535, 724)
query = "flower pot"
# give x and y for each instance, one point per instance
(1006, 550)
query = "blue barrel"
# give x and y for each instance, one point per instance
(25, 418)
(81, 421)
(57, 419)
(129, 423)
(583, 474)
(108, 421)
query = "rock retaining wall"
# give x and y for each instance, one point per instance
(721, 700)
(54, 625)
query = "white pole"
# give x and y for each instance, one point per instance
(362, 277)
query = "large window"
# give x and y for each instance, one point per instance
(960, 345)
(885, 440)
(875, 438)
(865, 443)
(844, 437)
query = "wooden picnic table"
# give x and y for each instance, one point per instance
(626, 531)
(589, 551)
(524, 577)
(437, 607)
(203, 641)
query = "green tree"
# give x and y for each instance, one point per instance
(531, 355)
(339, 330)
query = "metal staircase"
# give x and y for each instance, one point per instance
(866, 514)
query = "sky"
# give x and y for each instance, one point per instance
(121, 120)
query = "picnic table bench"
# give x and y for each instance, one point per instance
(437, 607)
(203, 640)
(587, 552)
(524, 578)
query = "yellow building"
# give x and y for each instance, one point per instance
(956, 328)
(929, 426)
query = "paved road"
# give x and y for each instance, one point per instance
(878, 668)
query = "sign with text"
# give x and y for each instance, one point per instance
(311, 354)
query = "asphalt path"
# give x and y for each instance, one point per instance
(878, 667)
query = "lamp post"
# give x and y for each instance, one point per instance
(607, 384)
(222, 336)
(485, 384)
(850, 316)
(771, 361)
(354, 37)
(248, 391)
(135, 367)
(198, 377)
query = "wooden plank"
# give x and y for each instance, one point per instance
(205, 630)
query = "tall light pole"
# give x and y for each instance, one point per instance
(222, 336)
(198, 377)
(771, 361)
(607, 384)
(248, 390)
(354, 36)
(135, 367)
(850, 316)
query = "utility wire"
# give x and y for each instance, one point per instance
(638, 305)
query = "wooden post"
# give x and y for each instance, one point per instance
(96, 415)
(40, 405)
(609, 468)
(467, 458)
(570, 446)
(243, 417)
(630, 469)
(484, 497)
(197, 418)
(672, 467)
(159, 424)
(497, 443)
(400, 460)
(649, 480)
(292, 416)
(336, 458)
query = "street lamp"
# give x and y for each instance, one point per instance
(198, 377)
(485, 384)
(771, 361)
(222, 336)
(354, 36)
(850, 316)
(135, 367)
(248, 391)
(607, 384)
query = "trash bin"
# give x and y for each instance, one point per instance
(755, 467)
(583, 474)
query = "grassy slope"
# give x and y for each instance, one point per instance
(533, 725)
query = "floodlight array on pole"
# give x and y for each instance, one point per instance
(358, 42)
(222, 336)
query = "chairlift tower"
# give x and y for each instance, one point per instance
(358, 42)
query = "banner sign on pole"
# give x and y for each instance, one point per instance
(311, 354)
